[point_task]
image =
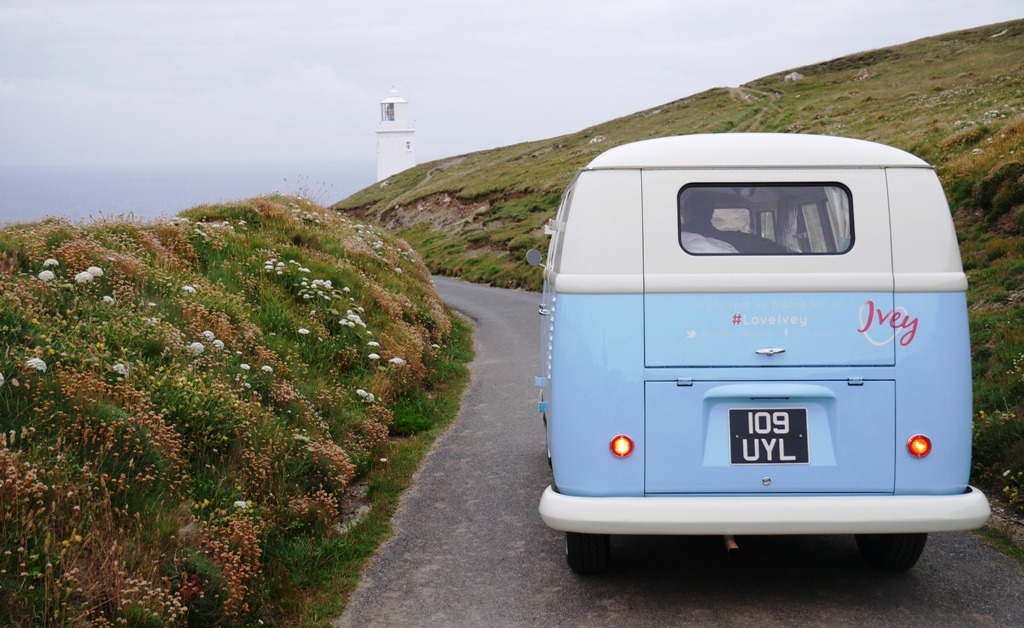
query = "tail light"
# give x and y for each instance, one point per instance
(919, 445)
(622, 446)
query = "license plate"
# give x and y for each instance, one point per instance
(768, 436)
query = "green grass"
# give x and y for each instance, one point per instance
(207, 400)
(999, 541)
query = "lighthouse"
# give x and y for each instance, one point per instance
(395, 149)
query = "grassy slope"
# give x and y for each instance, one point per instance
(185, 455)
(955, 100)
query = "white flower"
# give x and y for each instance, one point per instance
(50, 262)
(373, 356)
(1, 379)
(45, 275)
(83, 277)
(36, 363)
(280, 264)
(209, 335)
(120, 369)
(189, 289)
(267, 368)
(95, 271)
(436, 346)
(244, 366)
(109, 300)
(301, 437)
(241, 222)
(218, 344)
(303, 270)
(373, 343)
(367, 396)
(242, 505)
(346, 289)
(196, 348)
(398, 270)
(398, 361)
(383, 459)
(303, 331)
(1005, 473)
(279, 273)
(307, 296)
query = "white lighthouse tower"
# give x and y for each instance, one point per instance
(395, 149)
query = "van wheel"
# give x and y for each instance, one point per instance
(587, 553)
(891, 552)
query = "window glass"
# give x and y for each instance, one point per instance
(765, 219)
(555, 248)
(767, 222)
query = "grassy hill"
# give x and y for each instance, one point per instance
(189, 409)
(955, 100)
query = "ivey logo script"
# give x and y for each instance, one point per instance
(897, 321)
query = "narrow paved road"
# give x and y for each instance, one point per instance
(470, 549)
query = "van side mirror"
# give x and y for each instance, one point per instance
(533, 257)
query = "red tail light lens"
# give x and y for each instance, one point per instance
(919, 445)
(622, 445)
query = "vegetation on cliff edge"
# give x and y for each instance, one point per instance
(190, 408)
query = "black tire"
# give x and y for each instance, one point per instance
(891, 552)
(588, 553)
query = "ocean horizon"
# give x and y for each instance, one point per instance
(82, 193)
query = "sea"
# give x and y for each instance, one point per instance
(82, 193)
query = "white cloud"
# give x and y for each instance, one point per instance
(117, 81)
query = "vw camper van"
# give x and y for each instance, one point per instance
(756, 334)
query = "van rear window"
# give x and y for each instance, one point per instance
(765, 219)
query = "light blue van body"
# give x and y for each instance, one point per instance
(660, 345)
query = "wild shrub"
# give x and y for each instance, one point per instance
(999, 454)
(964, 138)
(175, 394)
(1000, 189)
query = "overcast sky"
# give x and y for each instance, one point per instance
(185, 81)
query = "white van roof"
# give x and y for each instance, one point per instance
(755, 150)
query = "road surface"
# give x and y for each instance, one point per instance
(471, 550)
